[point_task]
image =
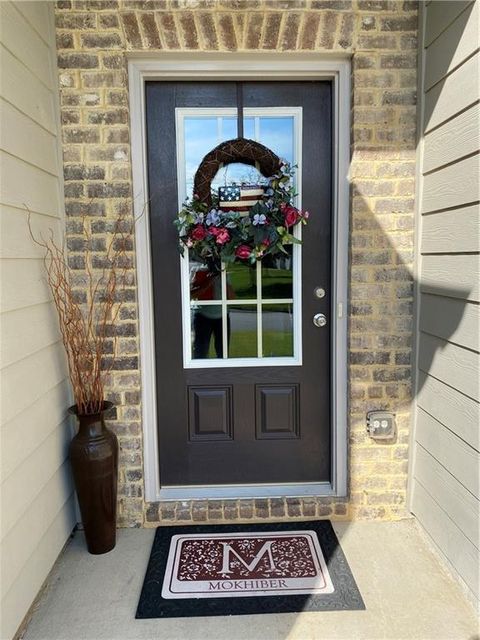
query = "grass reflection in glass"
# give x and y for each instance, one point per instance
(241, 281)
(277, 320)
(277, 276)
(242, 339)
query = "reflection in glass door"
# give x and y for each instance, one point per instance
(241, 314)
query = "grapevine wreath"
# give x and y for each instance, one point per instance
(215, 234)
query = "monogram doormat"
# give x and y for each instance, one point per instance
(244, 569)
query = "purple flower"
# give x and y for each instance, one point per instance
(213, 218)
(259, 219)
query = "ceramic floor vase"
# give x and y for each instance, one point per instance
(94, 460)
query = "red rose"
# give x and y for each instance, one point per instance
(291, 214)
(198, 233)
(222, 236)
(243, 252)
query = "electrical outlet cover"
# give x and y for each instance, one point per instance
(381, 425)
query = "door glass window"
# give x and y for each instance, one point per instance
(239, 314)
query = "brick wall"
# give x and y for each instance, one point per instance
(93, 39)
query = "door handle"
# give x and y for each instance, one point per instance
(319, 319)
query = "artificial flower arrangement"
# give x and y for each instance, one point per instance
(214, 235)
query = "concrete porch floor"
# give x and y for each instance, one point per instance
(406, 591)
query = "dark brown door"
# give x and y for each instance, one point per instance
(243, 374)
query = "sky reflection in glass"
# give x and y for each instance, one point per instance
(203, 133)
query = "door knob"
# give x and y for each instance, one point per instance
(319, 319)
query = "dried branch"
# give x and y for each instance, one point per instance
(87, 325)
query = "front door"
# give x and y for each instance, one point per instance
(243, 373)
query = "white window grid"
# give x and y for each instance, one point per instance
(187, 304)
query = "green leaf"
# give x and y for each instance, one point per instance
(281, 249)
(290, 239)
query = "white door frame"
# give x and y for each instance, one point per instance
(244, 66)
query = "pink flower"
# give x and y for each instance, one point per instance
(198, 233)
(243, 252)
(222, 236)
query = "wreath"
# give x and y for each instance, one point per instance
(214, 234)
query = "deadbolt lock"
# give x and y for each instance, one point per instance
(319, 292)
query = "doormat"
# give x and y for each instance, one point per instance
(219, 570)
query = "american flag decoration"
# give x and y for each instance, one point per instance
(239, 198)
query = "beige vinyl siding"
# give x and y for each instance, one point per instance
(37, 506)
(444, 477)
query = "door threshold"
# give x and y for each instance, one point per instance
(234, 492)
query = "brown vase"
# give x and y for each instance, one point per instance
(94, 460)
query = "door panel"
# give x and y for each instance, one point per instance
(243, 424)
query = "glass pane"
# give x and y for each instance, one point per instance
(237, 173)
(249, 128)
(277, 276)
(235, 334)
(229, 128)
(207, 341)
(277, 328)
(242, 331)
(277, 135)
(241, 281)
(201, 135)
(204, 285)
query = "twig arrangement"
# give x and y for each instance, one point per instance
(87, 326)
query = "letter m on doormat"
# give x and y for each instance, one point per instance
(228, 550)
